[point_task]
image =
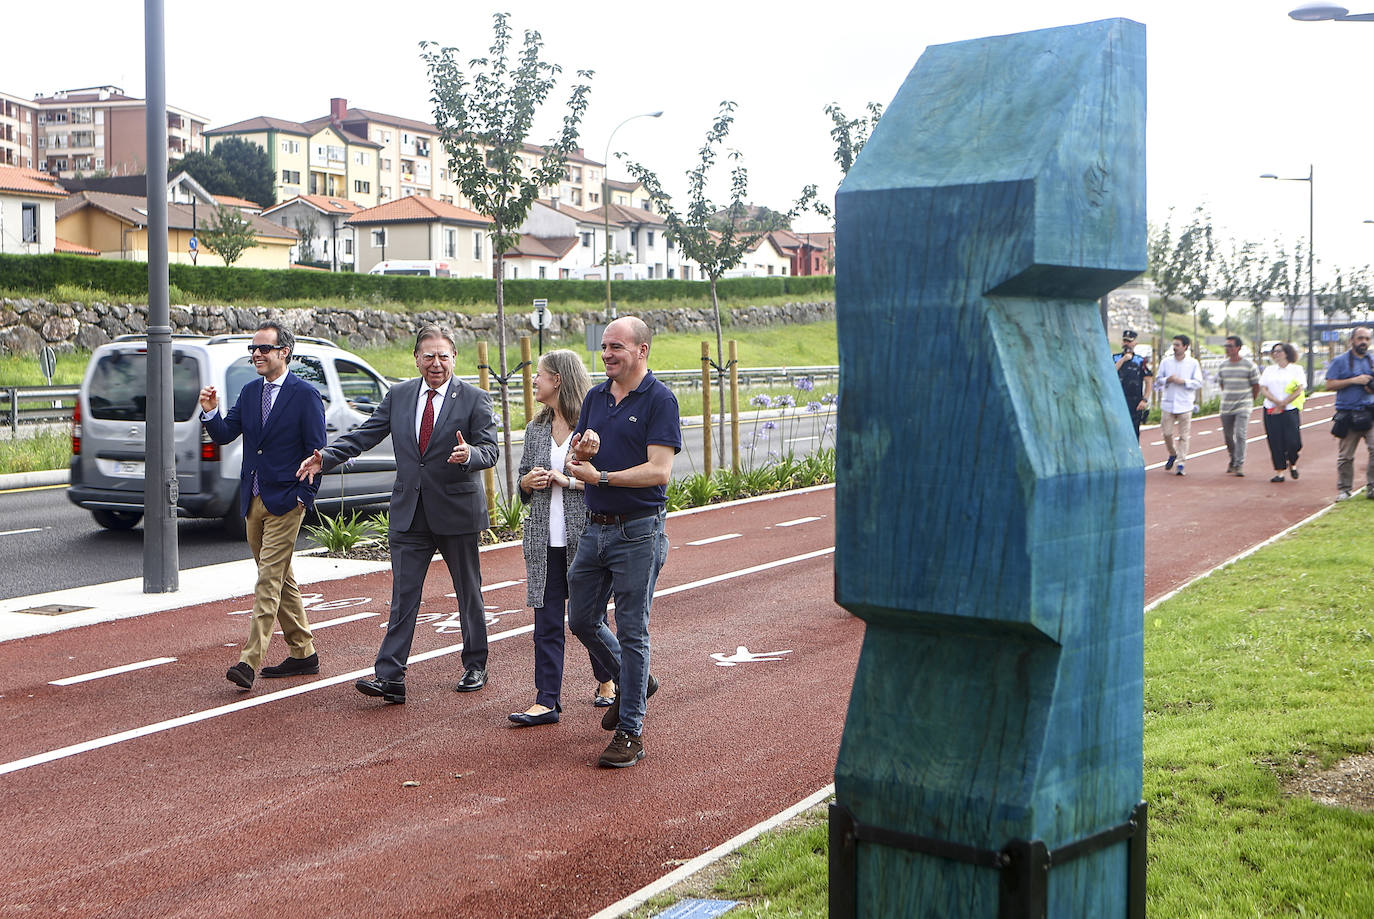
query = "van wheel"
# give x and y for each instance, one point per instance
(234, 525)
(117, 520)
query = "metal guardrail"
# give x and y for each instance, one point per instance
(37, 404)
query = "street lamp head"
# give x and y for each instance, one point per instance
(1268, 175)
(1318, 12)
(655, 114)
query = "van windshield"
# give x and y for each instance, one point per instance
(119, 386)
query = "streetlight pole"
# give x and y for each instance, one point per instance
(1311, 251)
(606, 204)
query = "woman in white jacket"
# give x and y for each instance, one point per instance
(1284, 386)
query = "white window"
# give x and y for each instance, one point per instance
(360, 157)
(362, 188)
(379, 238)
(386, 164)
(586, 240)
(651, 239)
(476, 243)
(450, 243)
(542, 272)
(348, 245)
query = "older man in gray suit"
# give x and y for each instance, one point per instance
(443, 433)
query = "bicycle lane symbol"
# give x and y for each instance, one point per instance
(316, 603)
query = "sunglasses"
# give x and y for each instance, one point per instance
(264, 349)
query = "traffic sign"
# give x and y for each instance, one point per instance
(47, 362)
(193, 244)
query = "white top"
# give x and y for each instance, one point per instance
(420, 406)
(1178, 397)
(1275, 383)
(558, 459)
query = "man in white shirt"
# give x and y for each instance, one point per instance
(1179, 377)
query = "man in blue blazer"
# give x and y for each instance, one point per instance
(443, 433)
(281, 419)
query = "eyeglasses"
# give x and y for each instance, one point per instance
(264, 349)
(441, 358)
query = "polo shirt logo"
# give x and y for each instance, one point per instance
(633, 418)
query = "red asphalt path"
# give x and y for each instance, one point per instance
(166, 792)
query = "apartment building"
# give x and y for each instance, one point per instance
(372, 157)
(17, 119)
(419, 227)
(100, 128)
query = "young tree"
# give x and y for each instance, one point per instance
(850, 134)
(1292, 280)
(484, 110)
(1228, 280)
(229, 235)
(1181, 267)
(1260, 274)
(305, 249)
(715, 245)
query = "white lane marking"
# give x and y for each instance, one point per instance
(799, 520)
(710, 539)
(21, 532)
(1248, 440)
(339, 621)
(497, 586)
(98, 743)
(111, 671)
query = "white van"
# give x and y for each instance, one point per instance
(429, 268)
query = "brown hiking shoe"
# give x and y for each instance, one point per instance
(623, 750)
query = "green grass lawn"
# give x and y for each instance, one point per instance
(1250, 674)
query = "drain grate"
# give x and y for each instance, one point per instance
(52, 609)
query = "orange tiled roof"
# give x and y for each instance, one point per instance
(261, 123)
(237, 202)
(71, 248)
(550, 247)
(30, 182)
(416, 208)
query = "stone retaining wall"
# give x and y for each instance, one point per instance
(27, 325)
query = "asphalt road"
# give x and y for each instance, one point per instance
(47, 543)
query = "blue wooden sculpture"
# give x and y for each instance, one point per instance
(989, 508)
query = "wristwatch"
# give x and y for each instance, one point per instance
(605, 480)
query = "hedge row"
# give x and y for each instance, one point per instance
(41, 273)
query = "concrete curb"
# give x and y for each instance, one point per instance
(34, 479)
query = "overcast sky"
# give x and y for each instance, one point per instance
(1236, 88)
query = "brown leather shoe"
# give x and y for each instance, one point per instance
(623, 750)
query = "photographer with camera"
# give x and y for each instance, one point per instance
(1350, 376)
(1133, 370)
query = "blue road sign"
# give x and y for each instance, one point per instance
(697, 909)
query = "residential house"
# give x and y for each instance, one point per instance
(17, 140)
(806, 252)
(639, 237)
(116, 226)
(320, 157)
(630, 194)
(287, 144)
(417, 227)
(764, 259)
(321, 223)
(99, 128)
(28, 210)
(557, 241)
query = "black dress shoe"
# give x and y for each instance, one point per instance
(241, 674)
(472, 681)
(525, 719)
(390, 690)
(611, 719)
(294, 666)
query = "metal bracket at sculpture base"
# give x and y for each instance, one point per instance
(1024, 866)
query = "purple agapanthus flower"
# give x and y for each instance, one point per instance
(784, 402)
(770, 425)
(762, 401)
(830, 398)
(812, 408)
(805, 384)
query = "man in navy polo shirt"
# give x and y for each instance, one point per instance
(1350, 375)
(630, 426)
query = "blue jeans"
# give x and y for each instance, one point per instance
(620, 560)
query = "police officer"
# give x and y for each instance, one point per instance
(1137, 380)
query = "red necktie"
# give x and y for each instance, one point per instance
(427, 421)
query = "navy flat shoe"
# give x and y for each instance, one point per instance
(526, 720)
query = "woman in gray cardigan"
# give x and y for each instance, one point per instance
(558, 513)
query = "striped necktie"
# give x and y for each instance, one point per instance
(427, 421)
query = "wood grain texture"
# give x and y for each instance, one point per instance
(989, 505)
